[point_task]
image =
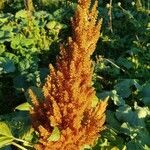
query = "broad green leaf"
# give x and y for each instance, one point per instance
(55, 136)
(7, 65)
(58, 14)
(129, 130)
(124, 62)
(29, 135)
(103, 95)
(6, 136)
(59, 26)
(125, 114)
(2, 48)
(4, 130)
(7, 35)
(51, 24)
(113, 95)
(146, 147)
(18, 121)
(42, 14)
(111, 139)
(143, 136)
(25, 106)
(24, 65)
(115, 148)
(27, 42)
(11, 56)
(116, 98)
(146, 101)
(111, 120)
(146, 90)
(7, 28)
(21, 14)
(4, 141)
(15, 41)
(123, 87)
(20, 83)
(142, 112)
(1, 33)
(134, 145)
(43, 73)
(3, 18)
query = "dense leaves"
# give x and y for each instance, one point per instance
(122, 72)
(26, 43)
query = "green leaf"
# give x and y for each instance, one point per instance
(27, 42)
(12, 57)
(21, 14)
(103, 95)
(7, 65)
(123, 87)
(116, 98)
(4, 130)
(1, 34)
(55, 136)
(29, 135)
(146, 90)
(6, 136)
(15, 41)
(111, 139)
(128, 130)
(146, 101)
(4, 141)
(20, 83)
(2, 49)
(124, 62)
(134, 145)
(143, 136)
(25, 106)
(112, 120)
(51, 24)
(125, 114)
(142, 112)
(4, 17)
(18, 121)
(95, 101)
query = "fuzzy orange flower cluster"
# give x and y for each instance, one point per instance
(68, 92)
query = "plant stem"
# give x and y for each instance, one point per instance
(19, 146)
(110, 16)
(114, 64)
(23, 141)
(20, 140)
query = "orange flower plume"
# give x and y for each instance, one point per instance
(68, 92)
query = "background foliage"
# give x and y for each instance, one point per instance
(30, 41)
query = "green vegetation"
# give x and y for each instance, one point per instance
(29, 41)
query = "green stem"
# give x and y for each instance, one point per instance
(19, 146)
(20, 140)
(114, 64)
(23, 141)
